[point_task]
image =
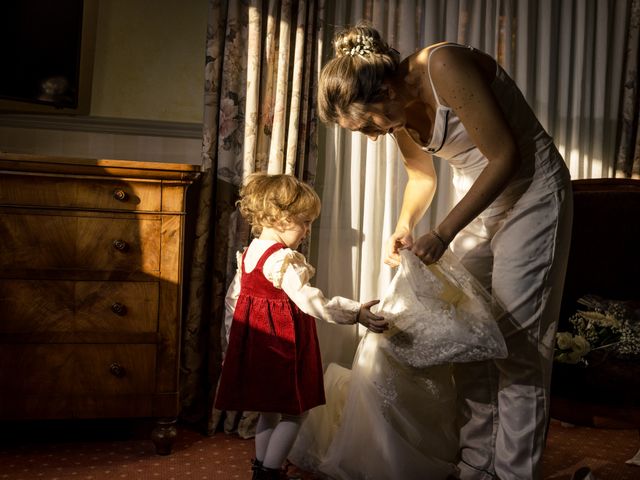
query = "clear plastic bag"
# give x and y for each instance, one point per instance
(439, 314)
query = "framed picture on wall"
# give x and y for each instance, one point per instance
(47, 51)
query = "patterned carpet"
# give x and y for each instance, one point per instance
(98, 451)
(110, 451)
(603, 450)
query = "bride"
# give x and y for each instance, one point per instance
(393, 414)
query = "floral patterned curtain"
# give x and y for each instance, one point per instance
(628, 158)
(260, 82)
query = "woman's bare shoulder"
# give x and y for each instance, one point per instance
(444, 62)
(441, 52)
(414, 69)
(420, 59)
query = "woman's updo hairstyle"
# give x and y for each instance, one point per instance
(355, 76)
(267, 200)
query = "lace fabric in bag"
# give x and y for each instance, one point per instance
(439, 314)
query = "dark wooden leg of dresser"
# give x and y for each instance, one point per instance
(164, 435)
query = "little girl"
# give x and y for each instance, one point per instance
(272, 364)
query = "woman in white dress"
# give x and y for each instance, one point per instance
(510, 227)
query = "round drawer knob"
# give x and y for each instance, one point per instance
(116, 370)
(120, 245)
(120, 195)
(119, 309)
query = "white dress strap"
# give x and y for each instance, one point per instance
(433, 88)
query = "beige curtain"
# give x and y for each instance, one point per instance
(261, 74)
(628, 158)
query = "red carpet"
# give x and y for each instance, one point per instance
(90, 451)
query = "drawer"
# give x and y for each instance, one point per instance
(76, 369)
(117, 307)
(52, 242)
(29, 306)
(32, 190)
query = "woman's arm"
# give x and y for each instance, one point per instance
(465, 87)
(418, 194)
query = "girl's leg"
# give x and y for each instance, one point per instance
(281, 440)
(266, 424)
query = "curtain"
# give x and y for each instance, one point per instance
(566, 56)
(628, 158)
(260, 82)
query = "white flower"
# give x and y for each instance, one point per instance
(580, 345)
(568, 357)
(606, 325)
(362, 47)
(564, 340)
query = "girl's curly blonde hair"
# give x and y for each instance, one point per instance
(267, 200)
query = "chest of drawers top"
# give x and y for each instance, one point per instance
(92, 184)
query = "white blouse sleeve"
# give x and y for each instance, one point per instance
(231, 298)
(288, 270)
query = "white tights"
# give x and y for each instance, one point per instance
(275, 434)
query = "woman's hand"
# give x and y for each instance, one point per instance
(429, 247)
(373, 322)
(400, 239)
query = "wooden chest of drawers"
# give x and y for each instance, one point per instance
(90, 282)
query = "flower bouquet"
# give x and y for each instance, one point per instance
(604, 326)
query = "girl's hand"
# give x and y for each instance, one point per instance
(429, 247)
(373, 322)
(400, 239)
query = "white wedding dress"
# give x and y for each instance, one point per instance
(393, 415)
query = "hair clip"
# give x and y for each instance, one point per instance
(362, 47)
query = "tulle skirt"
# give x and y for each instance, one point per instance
(393, 414)
(383, 420)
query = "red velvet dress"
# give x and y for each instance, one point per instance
(273, 360)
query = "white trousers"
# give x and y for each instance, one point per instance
(521, 256)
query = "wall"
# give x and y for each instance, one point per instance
(147, 90)
(149, 61)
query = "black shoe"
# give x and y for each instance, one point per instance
(265, 473)
(583, 473)
(255, 466)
